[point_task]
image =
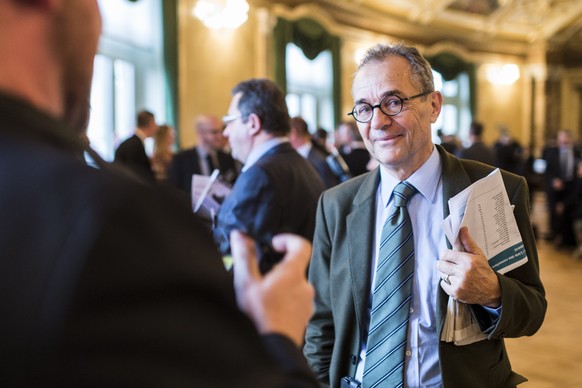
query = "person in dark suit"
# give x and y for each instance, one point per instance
(478, 150)
(301, 140)
(204, 158)
(395, 106)
(94, 292)
(572, 206)
(351, 148)
(131, 152)
(448, 142)
(561, 165)
(277, 189)
(508, 153)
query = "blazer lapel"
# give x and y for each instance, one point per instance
(454, 177)
(360, 232)
(455, 180)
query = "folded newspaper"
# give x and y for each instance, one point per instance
(208, 193)
(484, 208)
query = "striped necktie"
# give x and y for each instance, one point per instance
(386, 345)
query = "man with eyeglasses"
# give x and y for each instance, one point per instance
(204, 158)
(381, 298)
(277, 189)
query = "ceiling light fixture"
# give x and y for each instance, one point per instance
(503, 74)
(219, 14)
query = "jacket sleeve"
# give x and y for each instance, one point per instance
(522, 293)
(319, 337)
(253, 207)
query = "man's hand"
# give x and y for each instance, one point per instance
(467, 276)
(280, 301)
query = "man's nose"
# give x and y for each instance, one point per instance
(380, 120)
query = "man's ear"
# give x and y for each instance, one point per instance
(255, 124)
(437, 104)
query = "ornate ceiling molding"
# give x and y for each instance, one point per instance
(507, 27)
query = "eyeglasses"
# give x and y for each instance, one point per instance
(230, 118)
(390, 105)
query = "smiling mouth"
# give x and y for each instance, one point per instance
(387, 138)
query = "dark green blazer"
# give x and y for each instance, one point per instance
(340, 272)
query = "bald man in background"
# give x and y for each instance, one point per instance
(204, 158)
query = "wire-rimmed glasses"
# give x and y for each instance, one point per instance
(390, 105)
(226, 119)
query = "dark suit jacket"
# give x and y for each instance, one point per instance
(317, 158)
(131, 153)
(553, 169)
(106, 282)
(340, 271)
(186, 163)
(357, 160)
(277, 194)
(479, 152)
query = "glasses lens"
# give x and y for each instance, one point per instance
(391, 105)
(363, 112)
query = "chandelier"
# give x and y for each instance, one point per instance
(219, 14)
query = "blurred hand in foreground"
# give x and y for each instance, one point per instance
(280, 301)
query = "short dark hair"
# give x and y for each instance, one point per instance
(265, 99)
(476, 128)
(320, 133)
(419, 67)
(144, 118)
(355, 134)
(300, 126)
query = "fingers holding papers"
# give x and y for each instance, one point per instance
(467, 276)
(280, 301)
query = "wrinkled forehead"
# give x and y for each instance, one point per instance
(377, 78)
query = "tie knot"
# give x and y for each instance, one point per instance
(403, 192)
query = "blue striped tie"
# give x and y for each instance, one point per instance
(384, 365)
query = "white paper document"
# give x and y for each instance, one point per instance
(484, 208)
(208, 193)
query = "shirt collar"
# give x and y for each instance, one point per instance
(304, 149)
(425, 179)
(203, 152)
(262, 149)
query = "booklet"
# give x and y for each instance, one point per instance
(208, 193)
(485, 209)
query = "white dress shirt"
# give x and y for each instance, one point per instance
(262, 149)
(304, 149)
(426, 212)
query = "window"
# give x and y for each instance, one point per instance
(128, 73)
(309, 87)
(112, 104)
(455, 117)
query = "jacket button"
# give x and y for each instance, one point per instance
(354, 359)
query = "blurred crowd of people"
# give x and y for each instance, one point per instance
(558, 176)
(340, 155)
(336, 156)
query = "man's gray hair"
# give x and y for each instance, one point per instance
(419, 66)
